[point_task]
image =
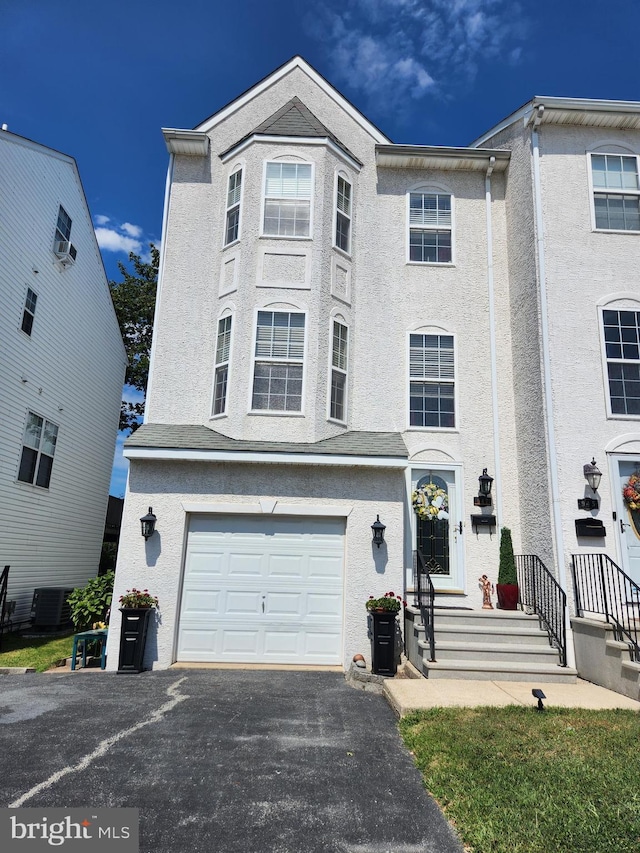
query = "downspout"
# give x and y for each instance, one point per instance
(156, 313)
(492, 343)
(558, 539)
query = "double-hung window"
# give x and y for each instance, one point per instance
(232, 222)
(616, 192)
(62, 244)
(339, 355)
(622, 346)
(431, 381)
(343, 214)
(279, 362)
(221, 376)
(38, 449)
(287, 200)
(430, 227)
(29, 311)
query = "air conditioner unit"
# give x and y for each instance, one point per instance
(49, 607)
(65, 251)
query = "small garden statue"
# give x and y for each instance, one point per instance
(487, 589)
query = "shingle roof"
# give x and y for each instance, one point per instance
(197, 437)
(294, 119)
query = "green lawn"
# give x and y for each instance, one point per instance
(513, 780)
(41, 653)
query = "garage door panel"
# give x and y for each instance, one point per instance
(242, 603)
(200, 602)
(262, 589)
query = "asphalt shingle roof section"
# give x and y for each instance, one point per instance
(294, 119)
(198, 437)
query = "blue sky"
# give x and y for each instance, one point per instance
(98, 79)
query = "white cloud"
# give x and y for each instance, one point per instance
(101, 220)
(397, 49)
(111, 240)
(131, 230)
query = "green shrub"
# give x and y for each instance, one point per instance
(91, 603)
(507, 568)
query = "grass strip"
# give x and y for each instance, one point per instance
(513, 780)
(39, 652)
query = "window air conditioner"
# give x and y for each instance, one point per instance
(65, 251)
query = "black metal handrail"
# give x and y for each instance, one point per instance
(541, 593)
(4, 581)
(425, 595)
(602, 587)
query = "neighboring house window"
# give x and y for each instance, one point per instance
(277, 378)
(287, 200)
(617, 209)
(62, 244)
(29, 311)
(232, 230)
(343, 214)
(223, 349)
(39, 446)
(339, 351)
(430, 228)
(622, 345)
(431, 381)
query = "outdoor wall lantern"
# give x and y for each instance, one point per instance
(148, 523)
(378, 531)
(593, 476)
(484, 489)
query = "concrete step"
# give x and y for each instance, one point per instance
(492, 652)
(488, 634)
(487, 671)
(507, 619)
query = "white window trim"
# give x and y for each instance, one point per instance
(342, 174)
(593, 190)
(238, 167)
(34, 485)
(338, 318)
(298, 162)
(275, 413)
(227, 312)
(612, 306)
(430, 189)
(430, 330)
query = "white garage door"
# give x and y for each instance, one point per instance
(263, 590)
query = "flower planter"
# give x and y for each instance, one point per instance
(507, 596)
(133, 636)
(383, 642)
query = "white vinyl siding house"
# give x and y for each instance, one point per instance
(61, 380)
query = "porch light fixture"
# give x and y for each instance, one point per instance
(484, 489)
(378, 531)
(592, 475)
(148, 523)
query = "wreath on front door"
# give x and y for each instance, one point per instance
(631, 491)
(430, 502)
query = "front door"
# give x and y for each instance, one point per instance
(437, 526)
(628, 511)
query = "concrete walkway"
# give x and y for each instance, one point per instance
(409, 694)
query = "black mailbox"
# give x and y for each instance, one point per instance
(590, 527)
(487, 521)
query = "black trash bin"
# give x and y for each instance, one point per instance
(133, 636)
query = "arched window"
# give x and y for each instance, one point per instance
(221, 370)
(621, 332)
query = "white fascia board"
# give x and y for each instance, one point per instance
(292, 140)
(188, 142)
(187, 455)
(321, 510)
(272, 79)
(440, 157)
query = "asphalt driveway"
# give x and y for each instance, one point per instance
(220, 761)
